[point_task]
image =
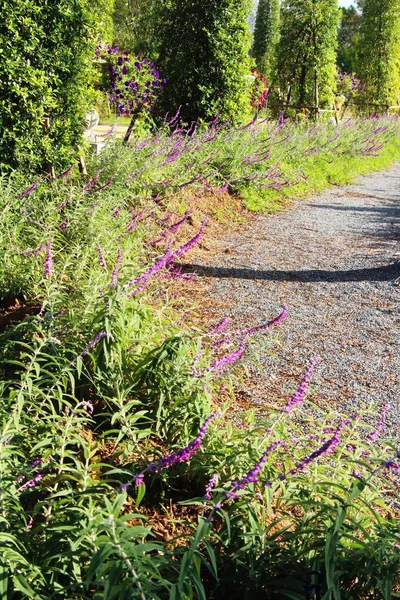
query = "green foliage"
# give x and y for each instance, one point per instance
(307, 51)
(266, 36)
(136, 26)
(348, 39)
(379, 52)
(98, 383)
(204, 57)
(45, 51)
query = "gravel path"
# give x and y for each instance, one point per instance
(335, 262)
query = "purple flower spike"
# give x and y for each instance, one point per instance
(66, 173)
(219, 365)
(191, 243)
(98, 337)
(211, 485)
(184, 454)
(328, 446)
(49, 266)
(374, 435)
(30, 190)
(92, 182)
(277, 321)
(253, 475)
(114, 277)
(102, 258)
(301, 391)
(221, 326)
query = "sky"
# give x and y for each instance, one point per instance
(346, 2)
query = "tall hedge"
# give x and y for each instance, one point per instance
(266, 36)
(379, 51)
(45, 52)
(307, 51)
(204, 57)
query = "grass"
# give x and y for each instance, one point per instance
(111, 484)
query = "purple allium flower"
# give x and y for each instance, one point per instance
(184, 454)
(374, 435)
(124, 487)
(49, 266)
(301, 391)
(114, 276)
(211, 485)
(102, 258)
(31, 189)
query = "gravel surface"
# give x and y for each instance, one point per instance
(335, 262)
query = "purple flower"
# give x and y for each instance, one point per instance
(98, 337)
(277, 321)
(301, 391)
(139, 479)
(211, 485)
(30, 190)
(253, 475)
(191, 243)
(88, 405)
(102, 258)
(92, 182)
(374, 435)
(7, 440)
(105, 186)
(328, 446)
(184, 454)
(66, 173)
(49, 266)
(114, 276)
(219, 365)
(221, 326)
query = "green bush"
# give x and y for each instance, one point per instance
(204, 57)
(45, 51)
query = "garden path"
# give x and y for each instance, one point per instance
(335, 262)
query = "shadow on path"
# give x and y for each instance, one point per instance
(383, 273)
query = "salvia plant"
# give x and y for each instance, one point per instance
(123, 473)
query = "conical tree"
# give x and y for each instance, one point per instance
(379, 51)
(204, 58)
(266, 36)
(307, 51)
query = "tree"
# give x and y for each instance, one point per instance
(379, 51)
(204, 58)
(349, 31)
(307, 51)
(45, 57)
(266, 36)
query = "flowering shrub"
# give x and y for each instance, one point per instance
(134, 83)
(348, 86)
(108, 417)
(259, 91)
